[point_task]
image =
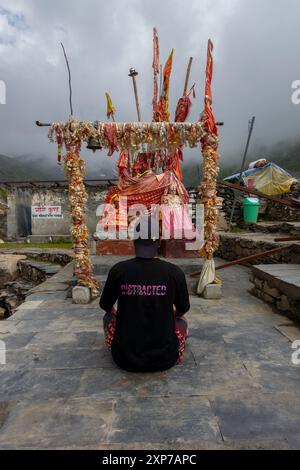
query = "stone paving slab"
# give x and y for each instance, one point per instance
(290, 331)
(258, 416)
(63, 340)
(115, 383)
(57, 423)
(157, 419)
(243, 444)
(210, 380)
(270, 377)
(79, 358)
(35, 384)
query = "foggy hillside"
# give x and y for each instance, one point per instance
(33, 167)
(98, 165)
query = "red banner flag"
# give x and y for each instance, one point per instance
(208, 93)
(164, 99)
(155, 73)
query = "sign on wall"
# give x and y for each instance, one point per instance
(46, 212)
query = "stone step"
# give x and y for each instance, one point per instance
(64, 237)
(234, 246)
(37, 270)
(102, 265)
(277, 228)
(191, 283)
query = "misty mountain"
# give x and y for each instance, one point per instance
(286, 155)
(34, 167)
(10, 171)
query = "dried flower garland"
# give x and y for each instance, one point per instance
(208, 187)
(129, 136)
(208, 193)
(75, 171)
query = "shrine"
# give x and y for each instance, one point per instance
(149, 171)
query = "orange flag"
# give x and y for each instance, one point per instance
(208, 93)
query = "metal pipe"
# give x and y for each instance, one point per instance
(251, 126)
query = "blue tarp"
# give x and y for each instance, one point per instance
(252, 171)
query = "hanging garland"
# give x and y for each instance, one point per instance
(208, 192)
(75, 171)
(208, 186)
(129, 136)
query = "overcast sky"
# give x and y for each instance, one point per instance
(256, 56)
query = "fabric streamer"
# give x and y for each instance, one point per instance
(164, 99)
(111, 135)
(111, 110)
(207, 275)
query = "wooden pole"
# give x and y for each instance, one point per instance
(133, 73)
(187, 76)
(290, 239)
(155, 67)
(248, 258)
(70, 78)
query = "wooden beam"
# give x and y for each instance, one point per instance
(187, 76)
(248, 258)
(290, 239)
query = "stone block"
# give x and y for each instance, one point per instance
(115, 247)
(283, 304)
(81, 295)
(2, 313)
(271, 291)
(178, 249)
(258, 283)
(267, 298)
(93, 247)
(213, 292)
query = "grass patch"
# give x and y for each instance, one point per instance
(3, 194)
(54, 245)
(235, 229)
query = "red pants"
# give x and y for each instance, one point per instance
(181, 326)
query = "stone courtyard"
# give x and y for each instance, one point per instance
(236, 388)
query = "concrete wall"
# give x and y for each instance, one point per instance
(51, 197)
(59, 197)
(13, 224)
(12, 227)
(3, 223)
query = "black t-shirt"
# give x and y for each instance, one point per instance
(146, 290)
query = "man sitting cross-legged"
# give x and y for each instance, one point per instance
(147, 332)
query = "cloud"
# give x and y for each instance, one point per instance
(255, 63)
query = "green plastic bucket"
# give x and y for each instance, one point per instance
(251, 208)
